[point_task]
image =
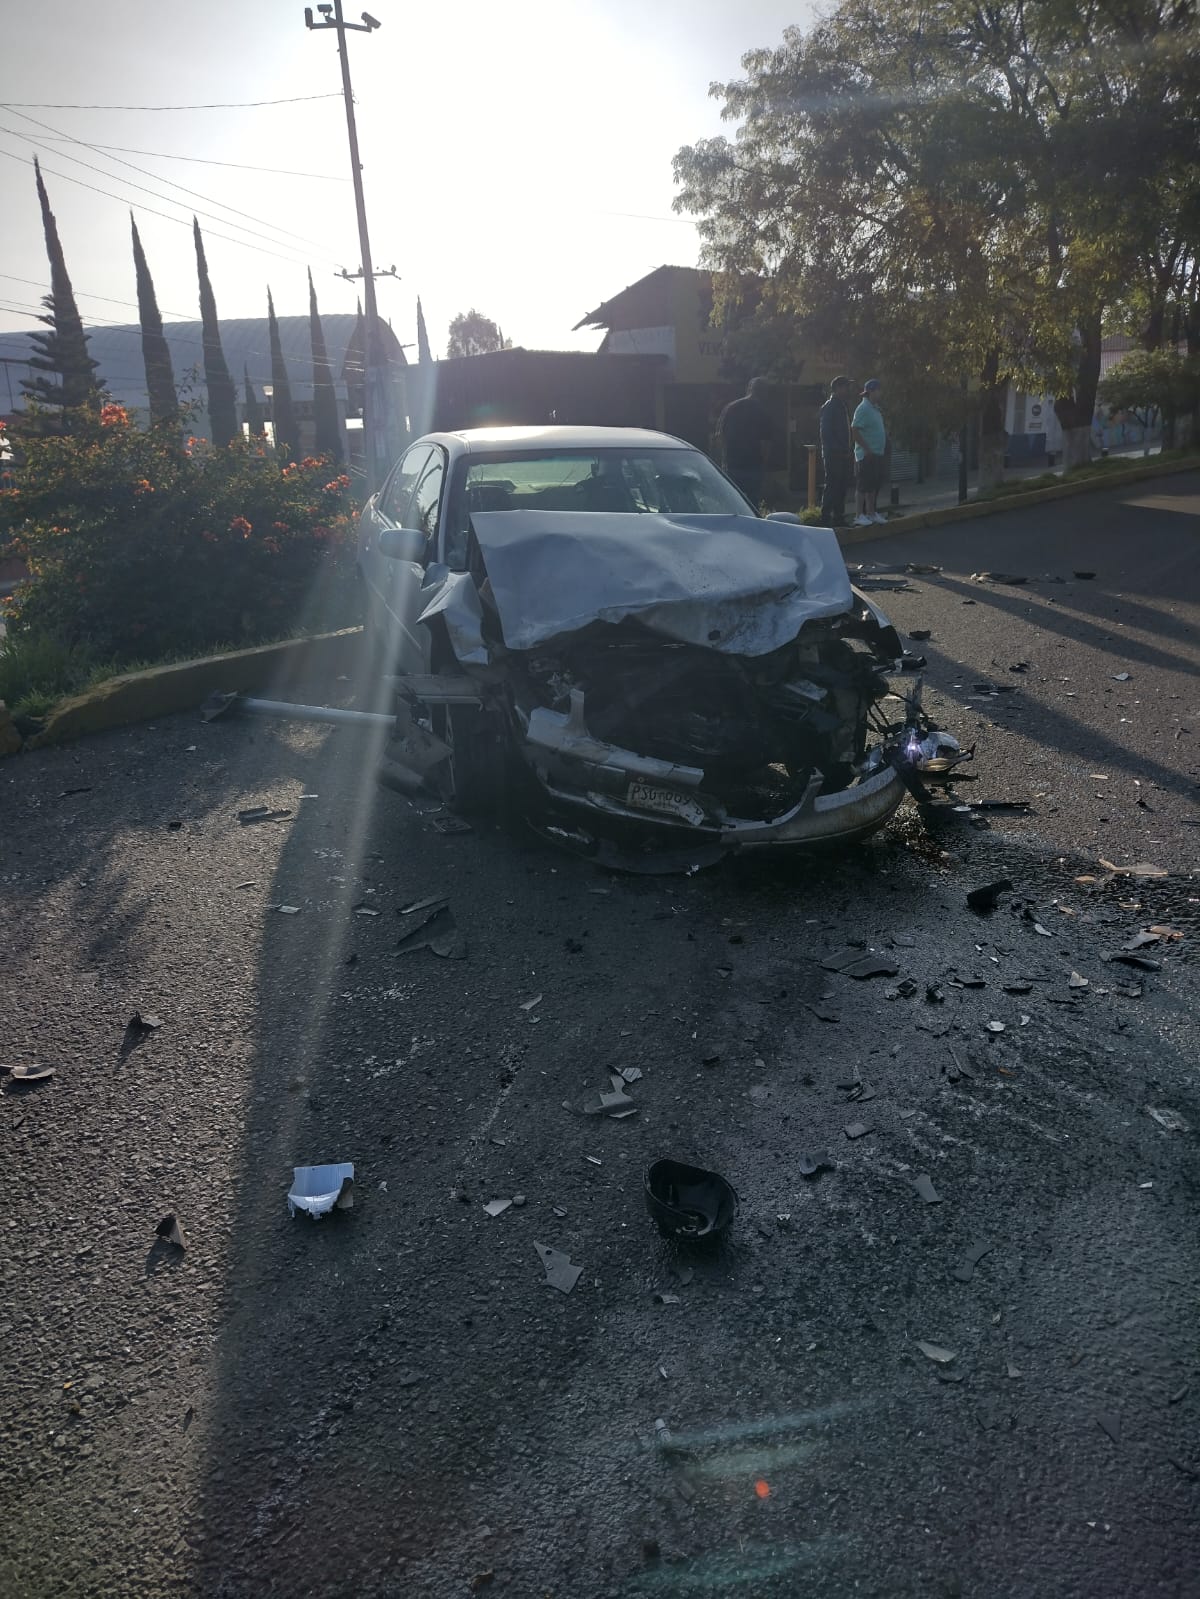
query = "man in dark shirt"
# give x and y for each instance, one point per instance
(745, 432)
(836, 448)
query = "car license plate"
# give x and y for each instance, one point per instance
(648, 797)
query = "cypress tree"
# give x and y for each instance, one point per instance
(156, 357)
(424, 355)
(222, 396)
(253, 412)
(63, 351)
(283, 415)
(325, 406)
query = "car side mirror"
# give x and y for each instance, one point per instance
(784, 516)
(402, 544)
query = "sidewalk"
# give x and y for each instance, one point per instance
(935, 493)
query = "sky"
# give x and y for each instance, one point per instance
(516, 157)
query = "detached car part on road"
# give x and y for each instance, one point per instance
(600, 614)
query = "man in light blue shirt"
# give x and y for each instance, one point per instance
(870, 443)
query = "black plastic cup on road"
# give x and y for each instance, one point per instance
(688, 1203)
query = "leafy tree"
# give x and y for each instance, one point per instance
(68, 383)
(963, 188)
(472, 333)
(283, 414)
(222, 397)
(325, 406)
(252, 415)
(1146, 381)
(156, 357)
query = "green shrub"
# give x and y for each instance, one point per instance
(140, 546)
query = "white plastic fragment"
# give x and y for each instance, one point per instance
(935, 1352)
(496, 1207)
(1170, 1119)
(317, 1189)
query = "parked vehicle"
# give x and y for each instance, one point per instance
(600, 612)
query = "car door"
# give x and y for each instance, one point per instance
(425, 516)
(389, 508)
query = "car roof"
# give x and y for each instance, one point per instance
(482, 441)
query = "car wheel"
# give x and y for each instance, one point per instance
(474, 778)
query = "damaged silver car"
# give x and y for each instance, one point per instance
(599, 615)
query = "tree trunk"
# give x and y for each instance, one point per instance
(1076, 410)
(993, 439)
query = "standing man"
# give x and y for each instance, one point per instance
(835, 453)
(870, 442)
(745, 431)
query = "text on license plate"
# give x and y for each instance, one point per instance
(649, 797)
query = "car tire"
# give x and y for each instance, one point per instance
(474, 778)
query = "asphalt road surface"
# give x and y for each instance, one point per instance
(391, 1400)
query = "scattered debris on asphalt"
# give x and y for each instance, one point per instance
(661, 1298)
(920, 633)
(1121, 677)
(530, 1004)
(1139, 869)
(856, 1130)
(821, 1010)
(925, 1189)
(688, 1202)
(1128, 957)
(994, 1027)
(450, 823)
(318, 1189)
(497, 1207)
(1076, 981)
(1110, 1423)
(1169, 1119)
(853, 963)
(614, 1102)
(138, 1023)
(965, 1270)
(438, 933)
(1020, 986)
(261, 813)
(985, 898)
(808, 1166)
(431, 903)
(1083, 576)
(170, 1231)
(997, 577)
(29, 1074)
(560, 1273)
(285, 910)
(936, 1352)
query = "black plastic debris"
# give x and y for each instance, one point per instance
(824, 1012)
(1000, 805)
(438, 933)
(857, 1091)
(853, 963)
(260, 813)
(1018, 987)
(1083, 576)
(920, 633)
(1019, 666)
(450, 824)
(809, 1166)
(169, 1230)
(687, 1202)
(985, 898)
(934, 995)
(138, 1023)
(965, 1269)
(923, 1184)
(1129, 957)
(1141, 940)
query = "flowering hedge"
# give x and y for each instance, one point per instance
(140, 545)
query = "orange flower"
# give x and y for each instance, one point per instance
(113, 416)
(240, 525)
(143, 485)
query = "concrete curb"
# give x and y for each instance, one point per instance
(184, 685)
(1014, 502)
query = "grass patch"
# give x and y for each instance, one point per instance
(1080, 474)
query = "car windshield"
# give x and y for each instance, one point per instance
(634, 480)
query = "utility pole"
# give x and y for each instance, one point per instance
(379, 430)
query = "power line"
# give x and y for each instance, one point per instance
(65, 177)
(205, 161)
(116, 177)
(232, 105)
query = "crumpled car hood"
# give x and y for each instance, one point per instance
(737, 584)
